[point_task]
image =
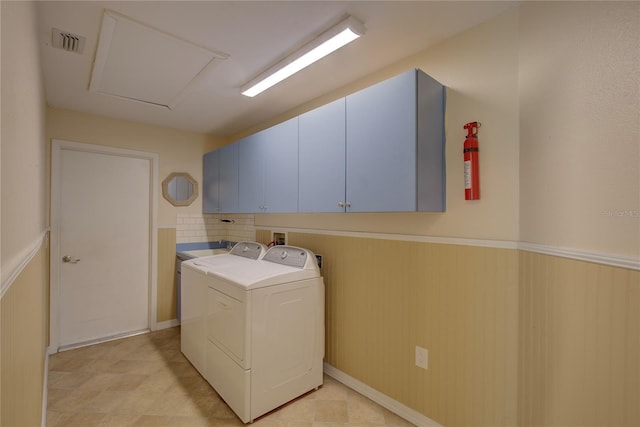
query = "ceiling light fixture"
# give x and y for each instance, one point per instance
(331, 40)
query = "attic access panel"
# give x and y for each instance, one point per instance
(139, 63)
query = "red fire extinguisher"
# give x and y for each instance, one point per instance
(471, 162)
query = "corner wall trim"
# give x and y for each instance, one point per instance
(21, 261)
(383, 400)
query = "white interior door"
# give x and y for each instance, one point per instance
(101, 245)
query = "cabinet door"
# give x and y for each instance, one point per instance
(280, 148)
(268, 169)
(251, 164)
(321, 146)
(228, 179)
(210, 182)
(381, 146)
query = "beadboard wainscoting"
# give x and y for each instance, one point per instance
(25, 307)
(167, 284)
(385, 297)
(579, 343)
(191, 228)
(514, 337)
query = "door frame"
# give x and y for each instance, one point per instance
(57, 146)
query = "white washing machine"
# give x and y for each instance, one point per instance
(193, 298)
(265, 330)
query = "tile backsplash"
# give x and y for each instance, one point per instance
(191, 228)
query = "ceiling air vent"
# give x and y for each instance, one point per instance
(67, 41)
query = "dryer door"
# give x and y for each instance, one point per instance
(226, 324)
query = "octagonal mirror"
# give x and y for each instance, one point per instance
(180, 189)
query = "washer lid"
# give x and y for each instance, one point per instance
(281, 264)
(259, 274)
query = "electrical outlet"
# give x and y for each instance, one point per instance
(422, 357)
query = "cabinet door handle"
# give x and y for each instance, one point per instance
(348, 204)
(341, 204)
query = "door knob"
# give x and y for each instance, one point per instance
(67, 258)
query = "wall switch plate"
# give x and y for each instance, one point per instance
(422, 357)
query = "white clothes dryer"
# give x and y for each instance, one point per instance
(193, 298)
(265, 330)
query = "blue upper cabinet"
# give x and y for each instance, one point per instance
(210, 182)
(268, 170)
(378, 150)
(395, 146)
(321, 147)
(228, 179)
(220, 187)
(250, 174)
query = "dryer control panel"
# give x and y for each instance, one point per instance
(291, 256)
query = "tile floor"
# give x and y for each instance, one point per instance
(146, 381)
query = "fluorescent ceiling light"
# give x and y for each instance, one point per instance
(331, 40)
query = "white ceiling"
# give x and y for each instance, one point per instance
(254, 35)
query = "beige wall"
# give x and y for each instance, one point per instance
(480, 70)
(24, 257)
(179, 151)
(556, 85)
(514, 338)
(24, 160)
(579, 109)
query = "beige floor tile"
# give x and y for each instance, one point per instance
(152, 421)
(146, 381)
(141, 367)
(365, 411)
(301, 410)
(331, 390)
(182, 421)
(72, 380)
(105, 402)
(118, 420)
(135, 403)
(74, 401)
(334, 411)
(87, 419)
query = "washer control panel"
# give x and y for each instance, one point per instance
(291, 256)
(251, 250)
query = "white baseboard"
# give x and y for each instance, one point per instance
(381, 399)
(45, 387)
(166, 324)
